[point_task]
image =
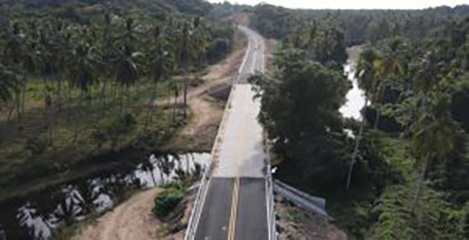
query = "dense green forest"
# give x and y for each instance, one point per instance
(82, 78)
(358, 26)
(403, 173)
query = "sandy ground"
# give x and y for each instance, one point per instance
(130, 220)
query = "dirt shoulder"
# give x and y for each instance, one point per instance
(207, 103)
(130, 220)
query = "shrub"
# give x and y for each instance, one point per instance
(36, 145)
(167, 201)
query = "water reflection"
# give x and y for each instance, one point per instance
(36, 215)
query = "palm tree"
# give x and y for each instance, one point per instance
(108, 52)
(20, 53)
(8, 85)
(52, 67)
(432, 134)
(126, 70)
(126, 65)
(433, 131)
(82, 73)
(366, 77)
(185, 57)
(192, 42)
(390, 64)
(161, 64)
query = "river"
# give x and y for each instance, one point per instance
(355, 97)
(38, 214)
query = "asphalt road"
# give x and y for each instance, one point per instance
(234, 205)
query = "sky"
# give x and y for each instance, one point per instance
(354, 4)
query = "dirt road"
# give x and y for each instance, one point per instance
(130, 220)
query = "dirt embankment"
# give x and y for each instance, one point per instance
(294, 223)
(207, 103)
(130, 220)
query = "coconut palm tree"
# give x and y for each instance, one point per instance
(19, 52)
(432, 134)
(390, 64)
(185, 53)
(366, 77)
(126, 70)
(82, 73)
(161, 65)
(107, 54)
(192, 42)
(8, 85)
(433, 130)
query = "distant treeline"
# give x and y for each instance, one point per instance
(358, 26)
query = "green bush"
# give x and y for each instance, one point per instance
(113, 128)
(36, 145)
(167, 201)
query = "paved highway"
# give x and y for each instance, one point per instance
(234, 205)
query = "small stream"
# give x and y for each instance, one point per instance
(37, 214)
(355, 97)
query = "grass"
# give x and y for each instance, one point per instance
(292, 215)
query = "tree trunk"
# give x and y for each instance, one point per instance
(175, 104)
(418, 190)
(378, 112)
(151, 104)
(18, 104)
(122, 99)
(10, 112)
(128, 99)
(49, 108)
(378, 116)
(76, 118)
(161, 176)
(51, 127)
(185, 98)
(153, 177)
(102, 97)
(23, 97)
(356, 148)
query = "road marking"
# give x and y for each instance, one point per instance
(234, 210)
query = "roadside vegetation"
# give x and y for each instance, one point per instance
(81, 80)
(402, 174)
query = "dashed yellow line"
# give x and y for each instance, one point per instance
(234, 210)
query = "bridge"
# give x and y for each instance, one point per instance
(235, 197)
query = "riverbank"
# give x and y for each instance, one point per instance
(131, 220)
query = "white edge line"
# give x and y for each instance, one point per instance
(218, 136)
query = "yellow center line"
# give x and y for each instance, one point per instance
(234, 210)
(240, 150)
